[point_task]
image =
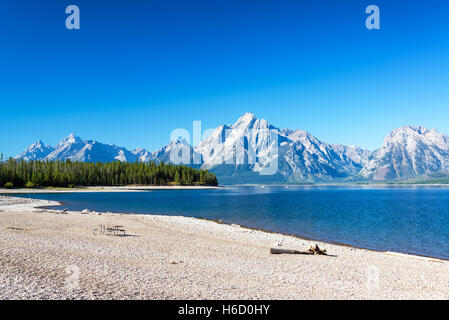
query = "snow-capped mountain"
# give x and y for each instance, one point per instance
(244, 152)
(37, 150)
(252, 150)
(322, 159)
(75, 149)
(142, 155)
(409, 152)
(178, 152)
(297, 155)
(355, 154)
(251, 136)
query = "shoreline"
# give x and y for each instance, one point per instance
(180, 248)
(331, 242)
(304, 238)
(341, 185)
(104, 189)
(52, 204)
(49, 205)
(5, 191)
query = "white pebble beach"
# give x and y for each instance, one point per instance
(50, 254)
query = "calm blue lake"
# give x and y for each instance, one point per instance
(408, 219)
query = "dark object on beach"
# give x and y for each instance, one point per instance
(110, 231)
(287, 251)
(14, 228)
(316, 250)
(116, 231)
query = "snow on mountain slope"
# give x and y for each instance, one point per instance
(358, 156)
(298, 156)
(243, 143)
(142, 155)
(76, 149)
(37, 150)
(177, 152)
(409, 152)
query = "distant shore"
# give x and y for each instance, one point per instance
(102, 189)
(149, 188)
(337, 185)
(166, 257)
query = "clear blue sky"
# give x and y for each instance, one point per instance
(136, 70)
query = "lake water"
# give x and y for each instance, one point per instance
(408, 219)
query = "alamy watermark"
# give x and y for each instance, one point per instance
(372, 22)
(73, 20)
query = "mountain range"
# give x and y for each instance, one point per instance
(253, 151)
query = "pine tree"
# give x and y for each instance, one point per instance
(65, 173)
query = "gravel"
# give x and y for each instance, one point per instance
(45, 255)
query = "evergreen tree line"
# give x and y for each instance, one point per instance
(37, 173)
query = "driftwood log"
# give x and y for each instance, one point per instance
(314, 249)
(287, 251)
